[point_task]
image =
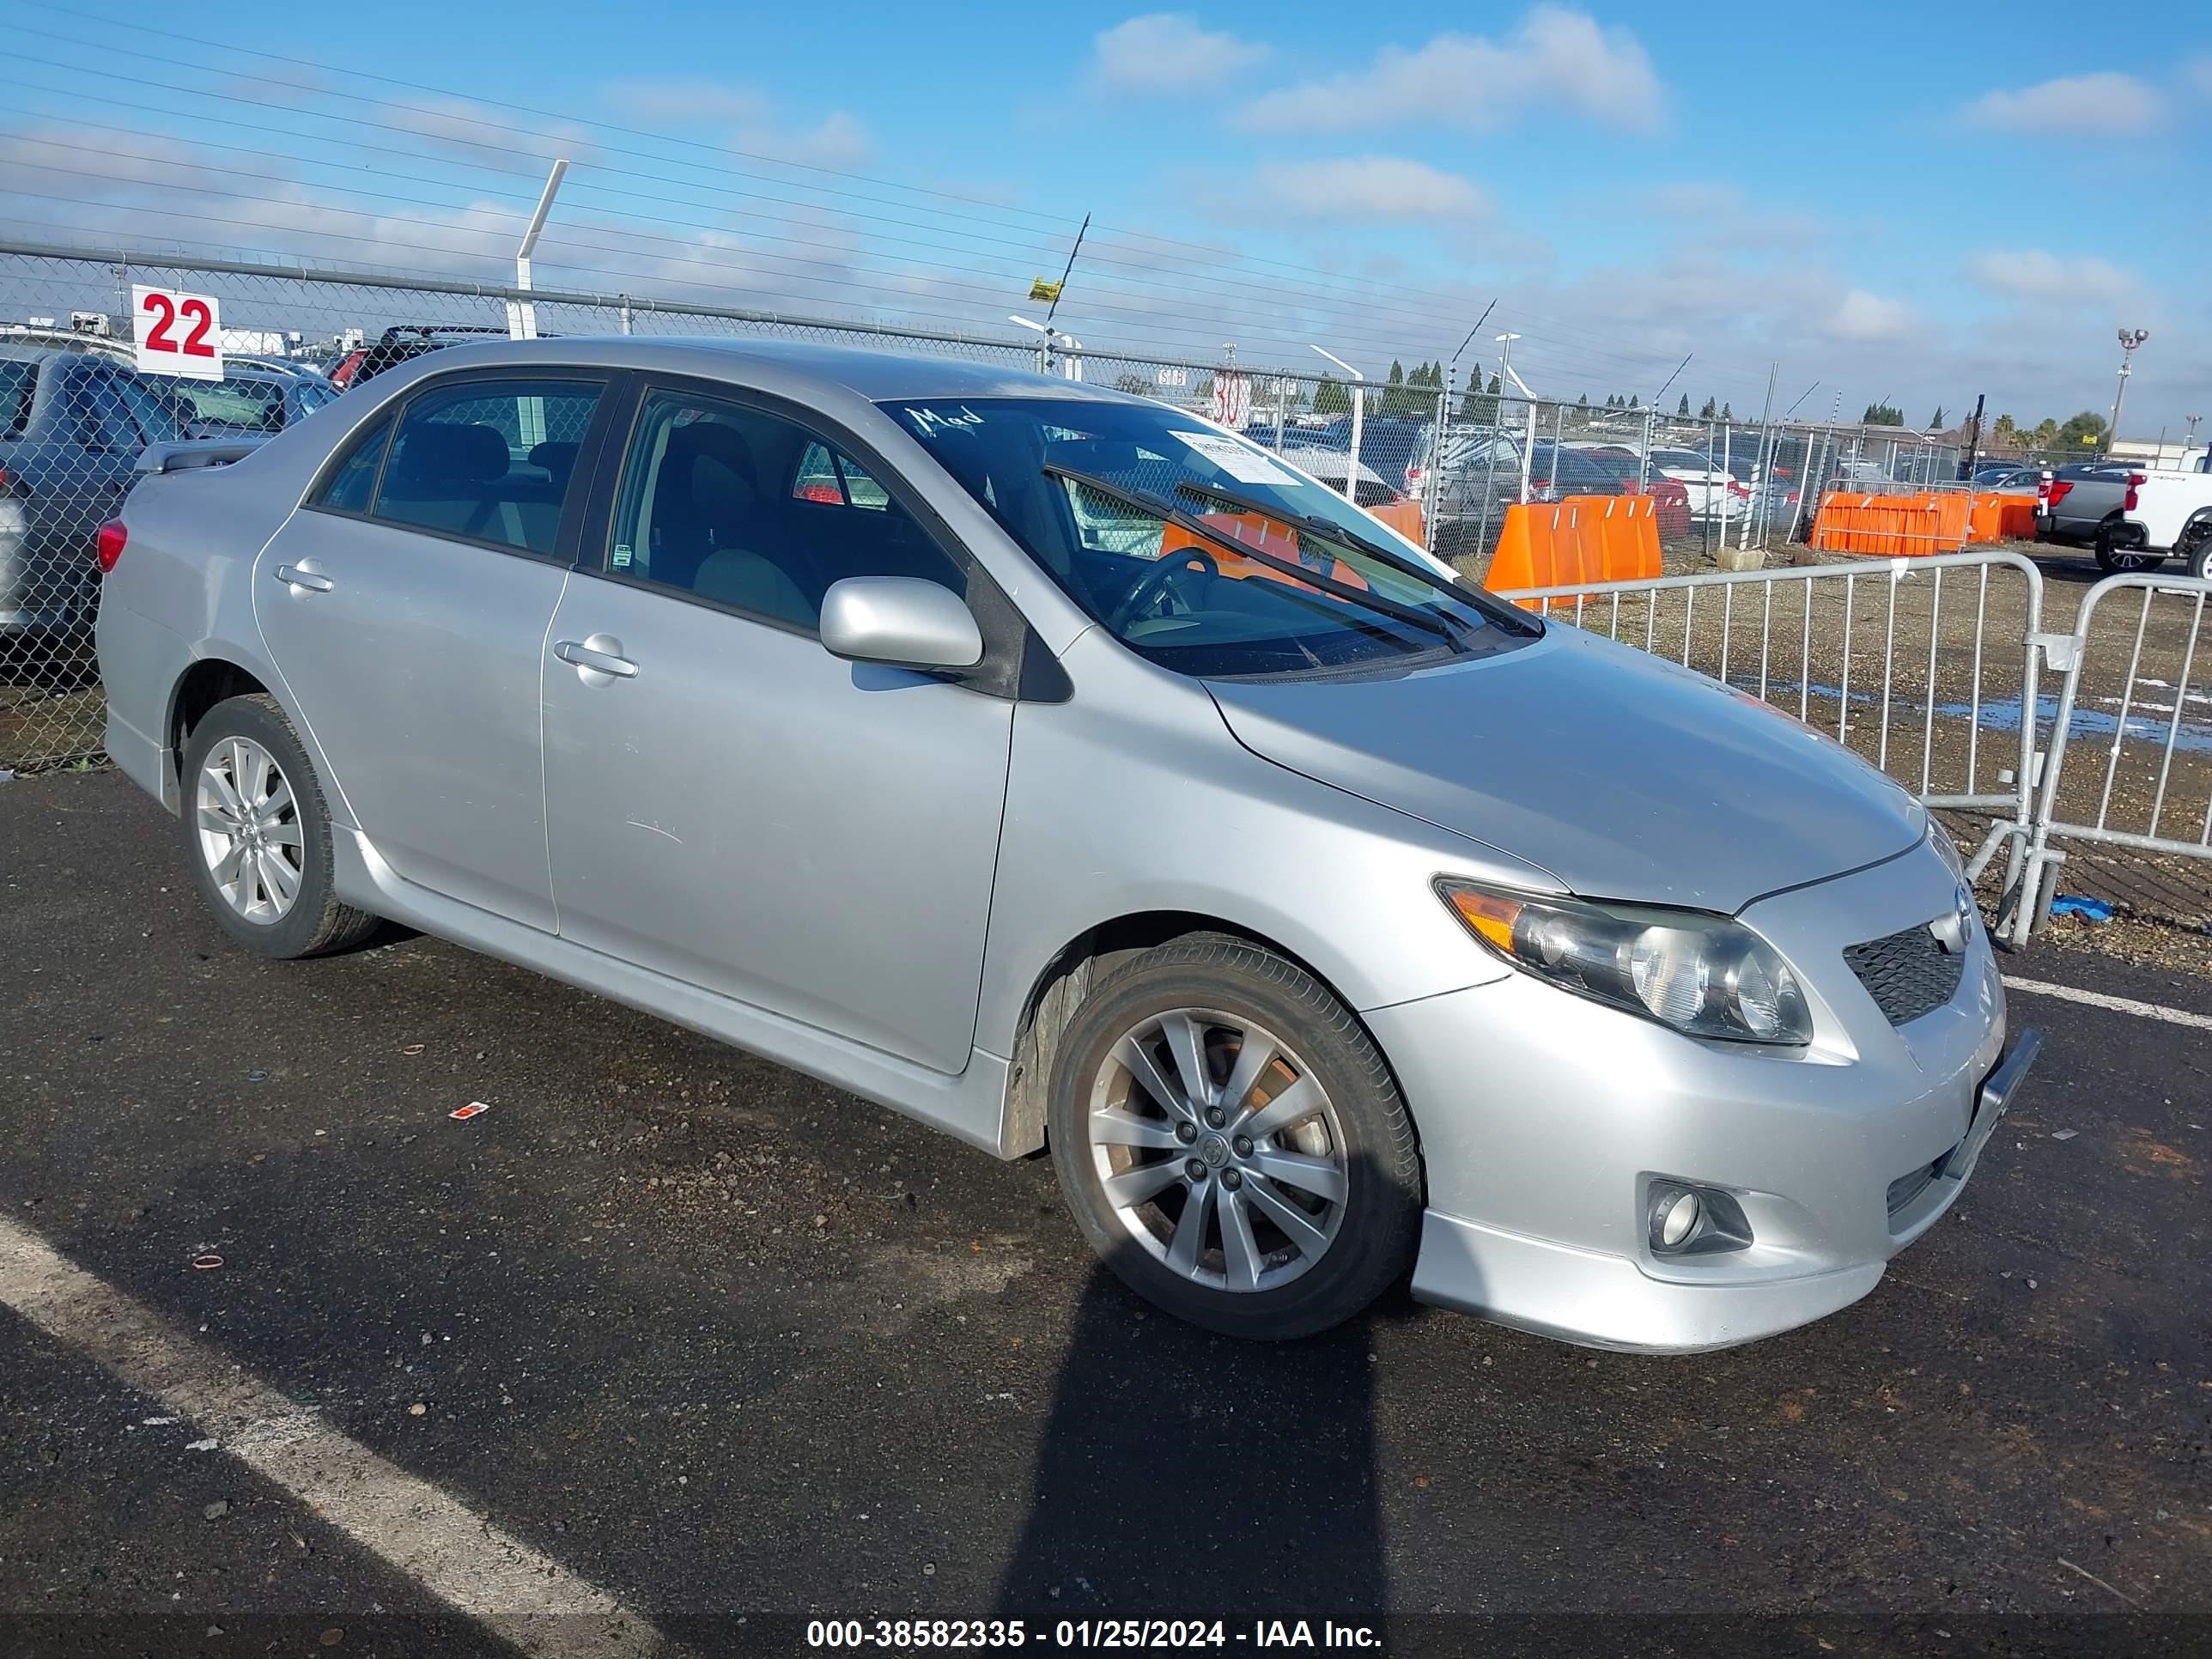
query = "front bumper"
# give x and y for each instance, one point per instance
(1546, 1118)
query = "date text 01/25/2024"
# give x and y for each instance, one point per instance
(895, 1634)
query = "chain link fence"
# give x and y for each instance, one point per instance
(1438, 462)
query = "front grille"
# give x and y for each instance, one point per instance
(1908, 973)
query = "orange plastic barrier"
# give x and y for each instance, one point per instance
(1582, 538)
(1632, 536)
(2009, 518)
(1892, 526)
(1404, 517)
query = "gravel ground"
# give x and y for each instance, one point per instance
(735, 1346)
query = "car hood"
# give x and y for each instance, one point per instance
(1624, 775)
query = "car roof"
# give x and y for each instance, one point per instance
(19, 350)
(872, 373)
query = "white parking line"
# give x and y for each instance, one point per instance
(2118, 1005)
(458, 1555)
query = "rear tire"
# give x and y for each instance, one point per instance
(257, 833)
(1271, 1198)
(2118, 553)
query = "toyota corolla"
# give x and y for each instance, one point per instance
(1071, 775)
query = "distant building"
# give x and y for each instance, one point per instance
(2172, 453)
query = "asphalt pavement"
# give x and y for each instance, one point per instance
(729, 1351)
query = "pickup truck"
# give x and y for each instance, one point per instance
(2169, 515)
(2086, 505)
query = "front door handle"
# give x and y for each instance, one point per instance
(300, 579)
(597, 655)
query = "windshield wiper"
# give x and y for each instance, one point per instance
(1490, 610)
(1455, 585)
(1168, 513)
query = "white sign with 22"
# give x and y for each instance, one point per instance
(176, 333)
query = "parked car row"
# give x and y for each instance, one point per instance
(75, 417)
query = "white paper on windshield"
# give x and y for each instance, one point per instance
(1245, 465)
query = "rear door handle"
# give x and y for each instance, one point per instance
(293, 576)
(599, 654)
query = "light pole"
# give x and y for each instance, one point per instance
(2130, 339)
(1358, 398)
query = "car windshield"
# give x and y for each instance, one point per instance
(1198, 550)
(251, 404)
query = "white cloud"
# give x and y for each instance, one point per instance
(840, 141)
(1167, 51)
(1722, 215)
(749, 116)
(481, 133)
(2105, 101)
(685, 100)
(2032, 274)
(1865, 317)
(1373, 190)
(1556, 59)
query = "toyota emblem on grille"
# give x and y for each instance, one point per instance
(1952, 932)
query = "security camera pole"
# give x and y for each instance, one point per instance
(2130, 339)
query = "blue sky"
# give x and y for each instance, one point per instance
(1917, 202)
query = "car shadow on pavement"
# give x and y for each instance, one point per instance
(1183, 1474)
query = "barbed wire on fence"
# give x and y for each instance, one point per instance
(1440, 462)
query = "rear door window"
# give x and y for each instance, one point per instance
(488, 461)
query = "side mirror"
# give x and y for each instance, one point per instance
(901, 621)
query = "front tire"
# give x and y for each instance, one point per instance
(1231, 1142)
(257, 833)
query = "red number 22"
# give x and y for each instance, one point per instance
(195, 312)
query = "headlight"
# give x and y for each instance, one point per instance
(1703, 974)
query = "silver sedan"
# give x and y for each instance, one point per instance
(1070, 774)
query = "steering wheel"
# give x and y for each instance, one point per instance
(1157, 580)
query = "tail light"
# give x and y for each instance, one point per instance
(825, 494)
(1736, 488)
(2050, 494)
(113, 536)
(2135, 481)
(1413, 475)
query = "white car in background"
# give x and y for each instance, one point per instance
(1713, 489)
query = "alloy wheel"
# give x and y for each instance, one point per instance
(248, 827)
(1218, 1150)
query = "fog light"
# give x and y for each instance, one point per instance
(1682, 1220)
(1677, 1221)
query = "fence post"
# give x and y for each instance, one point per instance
(1432, 477)
(1528, 454)
(1489, 463)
